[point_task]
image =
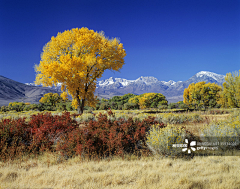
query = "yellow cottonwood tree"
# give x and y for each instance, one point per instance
(202, 95)
(230, 96)
(77, 58)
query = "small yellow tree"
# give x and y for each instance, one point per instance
(50, 99)
(77, 58)
(230, 96)
(149, 100)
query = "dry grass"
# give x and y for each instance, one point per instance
(148, 172)
(196, 127)
(199, 172)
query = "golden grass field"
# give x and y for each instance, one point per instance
(199, 172)
(148, 172)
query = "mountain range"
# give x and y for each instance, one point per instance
(11, 90)
(172, 90)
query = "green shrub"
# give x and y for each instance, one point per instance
(85, 117)
(162, 107)
(223, 131)
(158, 139)
(170, 118)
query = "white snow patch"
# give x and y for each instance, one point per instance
(210, 74)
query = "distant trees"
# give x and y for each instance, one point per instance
(148, 100)
(230, 96)
(199, 96)
(116, 102)
(50, 99)
(131, 101)
(54, 101)
(202, 95)
(17, 106)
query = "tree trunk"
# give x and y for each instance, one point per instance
(79, 105)
(82, 106)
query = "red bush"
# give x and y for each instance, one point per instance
(46, 129)
(13, 137)
(105, 137)
(39, 134)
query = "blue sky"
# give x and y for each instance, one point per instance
(167, 39)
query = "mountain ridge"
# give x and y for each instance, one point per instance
(11, 90)
(171, 89)
(150, 79)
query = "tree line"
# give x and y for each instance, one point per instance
(198, 96)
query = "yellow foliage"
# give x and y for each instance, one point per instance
(50, 98)
(134, 100)
(64, 96)
(159, 139)
(77, 58)
(202, 94)
(230, 96)
(75, 103)
(148, 100)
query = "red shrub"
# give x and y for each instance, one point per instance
(13, 137)
(106, 137)
(46, 129)
(103, 137)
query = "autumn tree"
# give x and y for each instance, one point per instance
(149, 100)
(17, 106)
(77, 58)
(230, 96)
(202, 95)
(50, 100)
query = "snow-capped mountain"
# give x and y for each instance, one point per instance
(215, 76)
(111, 80)
(171, 89)
(58, 87)
(200, 76)
(208, 77)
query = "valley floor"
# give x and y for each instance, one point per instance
(152, 172)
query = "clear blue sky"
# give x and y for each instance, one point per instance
(167, 39)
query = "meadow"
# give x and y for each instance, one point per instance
(144, 169)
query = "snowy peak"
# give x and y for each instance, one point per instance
(152, 81)
(169, 83)
(215, 76)
(141, 80)
(31, 84)
(124, 82)
(109, 81)
(147, 80)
